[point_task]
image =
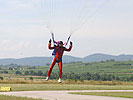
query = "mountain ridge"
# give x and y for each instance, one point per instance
(41, 61)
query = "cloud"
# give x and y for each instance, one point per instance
(8, 45)
(11, 49)
(19, 4)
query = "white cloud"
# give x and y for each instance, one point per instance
(8, 45)
(23, 4)
(11, 49)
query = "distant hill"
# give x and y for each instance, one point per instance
(37, 61)
(97, 57)
(33, 61)
(103, 57)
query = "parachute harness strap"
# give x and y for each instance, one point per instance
(53, 38)
(68, 40)
(54, 54)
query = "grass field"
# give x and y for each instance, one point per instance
(21, 80)
(4, 97)
(117, 68)
(37, 87)
(112, 94)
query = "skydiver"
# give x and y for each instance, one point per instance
(57, 53)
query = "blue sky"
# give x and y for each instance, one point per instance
(24, 32)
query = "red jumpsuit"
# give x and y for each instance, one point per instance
(58, 57)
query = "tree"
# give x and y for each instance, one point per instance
(1, 78)
(26, 73)
(10, 68)
(96, 77)
(40, 73)
(32, 73)
(111, 77)
(131, 78)
(104, 77)
(5, 72)
(47, 64)
(18, 72)
(31, 78)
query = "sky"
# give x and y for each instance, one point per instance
(102, 26)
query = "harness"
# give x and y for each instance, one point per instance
(53, 53)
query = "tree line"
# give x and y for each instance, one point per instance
(83, 76)
(74, 76)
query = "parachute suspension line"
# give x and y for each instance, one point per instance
(84, 7)
(89, 15)
(43, 7)
(80, 4)
(47, 7)
(92, 6)
(42, 2)
(72, 12)
(100, 8)
(51, 15)
(94, 13)
(86, 11)
(76, 13)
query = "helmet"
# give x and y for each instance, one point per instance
(60, 42)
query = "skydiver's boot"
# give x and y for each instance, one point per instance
(47, 78)
(60, 81)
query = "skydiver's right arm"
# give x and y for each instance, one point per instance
(49, 45)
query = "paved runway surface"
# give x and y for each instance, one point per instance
(63, 95)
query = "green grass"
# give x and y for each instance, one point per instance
(4, 97)
(37, 87)
(108, 67)
(112, 94)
